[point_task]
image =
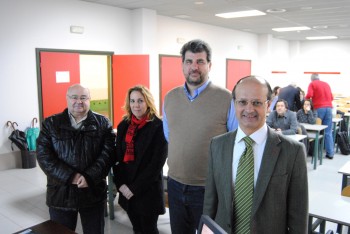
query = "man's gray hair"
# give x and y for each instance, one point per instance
(315, 76)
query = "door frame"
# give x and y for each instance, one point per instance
(109, 55)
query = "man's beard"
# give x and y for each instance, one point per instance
(194, 82)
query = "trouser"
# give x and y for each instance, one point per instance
(185, 206)
(143, 224)
(92, 218)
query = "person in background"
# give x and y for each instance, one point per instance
(321, 94)
(302, 95)
(141, 154)
(273, 190)
(274, 99)
(75, 149)
(283, 120)
(192, 115)
(307, 113)
(291, 94)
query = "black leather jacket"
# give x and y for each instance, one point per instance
(63, 151)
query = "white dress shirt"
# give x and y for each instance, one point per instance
(259, 137)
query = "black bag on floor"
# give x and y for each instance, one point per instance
(343, 142)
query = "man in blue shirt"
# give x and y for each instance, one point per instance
(192, 115)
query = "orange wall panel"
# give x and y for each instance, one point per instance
(128, 71)
(54, 93)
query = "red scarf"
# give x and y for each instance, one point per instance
(135, 124)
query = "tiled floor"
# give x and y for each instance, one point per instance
(22, 197)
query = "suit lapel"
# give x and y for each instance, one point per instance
(269, 160)
(227, 153)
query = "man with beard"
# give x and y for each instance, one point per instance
(192, 115)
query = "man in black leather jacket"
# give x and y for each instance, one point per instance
(76, 149)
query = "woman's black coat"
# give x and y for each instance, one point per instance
(144, 176)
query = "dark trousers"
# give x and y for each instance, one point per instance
(143, 224)
(185, 206)
(92, 218)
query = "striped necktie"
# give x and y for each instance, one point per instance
(244, 189)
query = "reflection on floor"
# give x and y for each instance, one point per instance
(22, 197)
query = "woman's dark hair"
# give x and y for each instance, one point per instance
(307, 100)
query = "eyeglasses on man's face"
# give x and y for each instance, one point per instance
(255, 103)
(76, 98)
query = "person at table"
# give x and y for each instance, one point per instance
(307, 114)
(269, 192)
(76, 149)
(321, 94)
(283, 120)
(141, 154)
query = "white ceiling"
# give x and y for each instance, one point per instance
(334, 14)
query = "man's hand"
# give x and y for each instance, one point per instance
(126, 191)
(80, 181)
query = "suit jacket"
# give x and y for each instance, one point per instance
(280, 202)
(144, 176)
(291, 94)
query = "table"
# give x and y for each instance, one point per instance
(47, 227)
(345, 170)
(313, 132)
(296, 137)
(328, 206)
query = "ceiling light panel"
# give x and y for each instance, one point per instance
(289, 29)
(239, 14)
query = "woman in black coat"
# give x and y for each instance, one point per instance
(141, 154)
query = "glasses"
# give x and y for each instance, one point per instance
(255, 103)
(76, 98)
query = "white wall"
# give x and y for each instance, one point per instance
(29, 24)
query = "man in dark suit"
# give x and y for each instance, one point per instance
(291, 94)
(280, 188)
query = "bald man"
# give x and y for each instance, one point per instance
(76, 151)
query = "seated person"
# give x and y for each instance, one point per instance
(283, 120)
(307, 113)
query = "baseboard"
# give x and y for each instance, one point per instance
(10, 160)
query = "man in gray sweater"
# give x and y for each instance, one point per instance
(192, 115)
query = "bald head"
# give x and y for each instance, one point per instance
(78, 100)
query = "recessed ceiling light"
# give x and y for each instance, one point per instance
(239, 14)
(321, 38)
(276, 10)
(198, 2)
(306, 8)
(182, 16)
(288, 29)
(320, 27)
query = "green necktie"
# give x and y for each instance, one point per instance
(244, 189)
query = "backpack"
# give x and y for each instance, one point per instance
(343, 142)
